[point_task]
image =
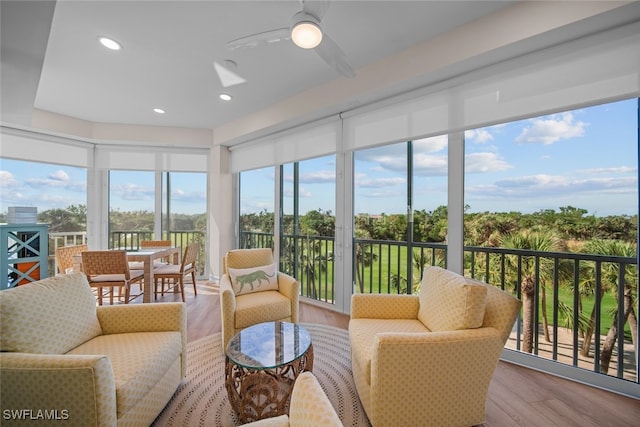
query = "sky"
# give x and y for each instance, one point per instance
(586, 158)
(49, 186)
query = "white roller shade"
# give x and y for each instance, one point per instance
(152, 158)
(595, 69)
(300, 143)
(36, 147)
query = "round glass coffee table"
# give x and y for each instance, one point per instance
(262, 363)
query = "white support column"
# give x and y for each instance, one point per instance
(343, 250)
(455, 219)
(277, 209)
(98, 208)
(222, 209)
(157, 223)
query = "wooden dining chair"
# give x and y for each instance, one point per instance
(64, 257)
(110, 269)
(174, 274)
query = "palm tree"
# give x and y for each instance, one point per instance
(312, 262)
(542, 241)
(610, 276)
(364, 258)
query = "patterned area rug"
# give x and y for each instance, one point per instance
(201, 400)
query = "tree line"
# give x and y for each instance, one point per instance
(568, 223)
(74, 218)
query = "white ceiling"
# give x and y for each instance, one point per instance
(51, 57)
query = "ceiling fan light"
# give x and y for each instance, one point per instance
(306, 34)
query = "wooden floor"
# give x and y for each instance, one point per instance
(517, 396)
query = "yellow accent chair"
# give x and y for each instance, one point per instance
(83, 364)
(309, 407)
(252, 291)
(427, 360)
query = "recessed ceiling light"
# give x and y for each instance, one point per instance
(159, 110)
(225, 97)
(109, 43)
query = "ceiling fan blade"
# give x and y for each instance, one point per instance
(331, 53)
(317, 8)
(258, 39)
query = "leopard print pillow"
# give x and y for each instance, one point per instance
(254, 279)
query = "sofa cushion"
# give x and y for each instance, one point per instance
(49, 316)
(448, 302)
(139, 361)
(362, 333)
(261, 307)
(254, 279)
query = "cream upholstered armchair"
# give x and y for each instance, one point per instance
(428, 360)
(77, 364)
(252, 291)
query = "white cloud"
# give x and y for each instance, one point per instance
(134, 192)
(478, 136)
(364, 182)
(57, 179)
(551, 129)
(303, 192)
(318, 177)
(60, 176)
(543, 186)
(187, 196)
(381, 194)
(598, 171)
(398, 163)
(426, 164)
(433, 144)
(485, 162)
(7, 180)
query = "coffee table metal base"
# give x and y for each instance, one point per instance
(255, 394)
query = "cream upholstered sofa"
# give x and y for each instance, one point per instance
(252, 291)
(309, 407)
(428, 360)
(71, 363)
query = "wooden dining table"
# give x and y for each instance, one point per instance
(147, 256)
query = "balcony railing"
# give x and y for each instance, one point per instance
(576, 297)
(130, 240)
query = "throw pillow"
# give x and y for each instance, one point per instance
(254, 279)
(449, 302)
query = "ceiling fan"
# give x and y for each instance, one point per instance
(305, 31)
